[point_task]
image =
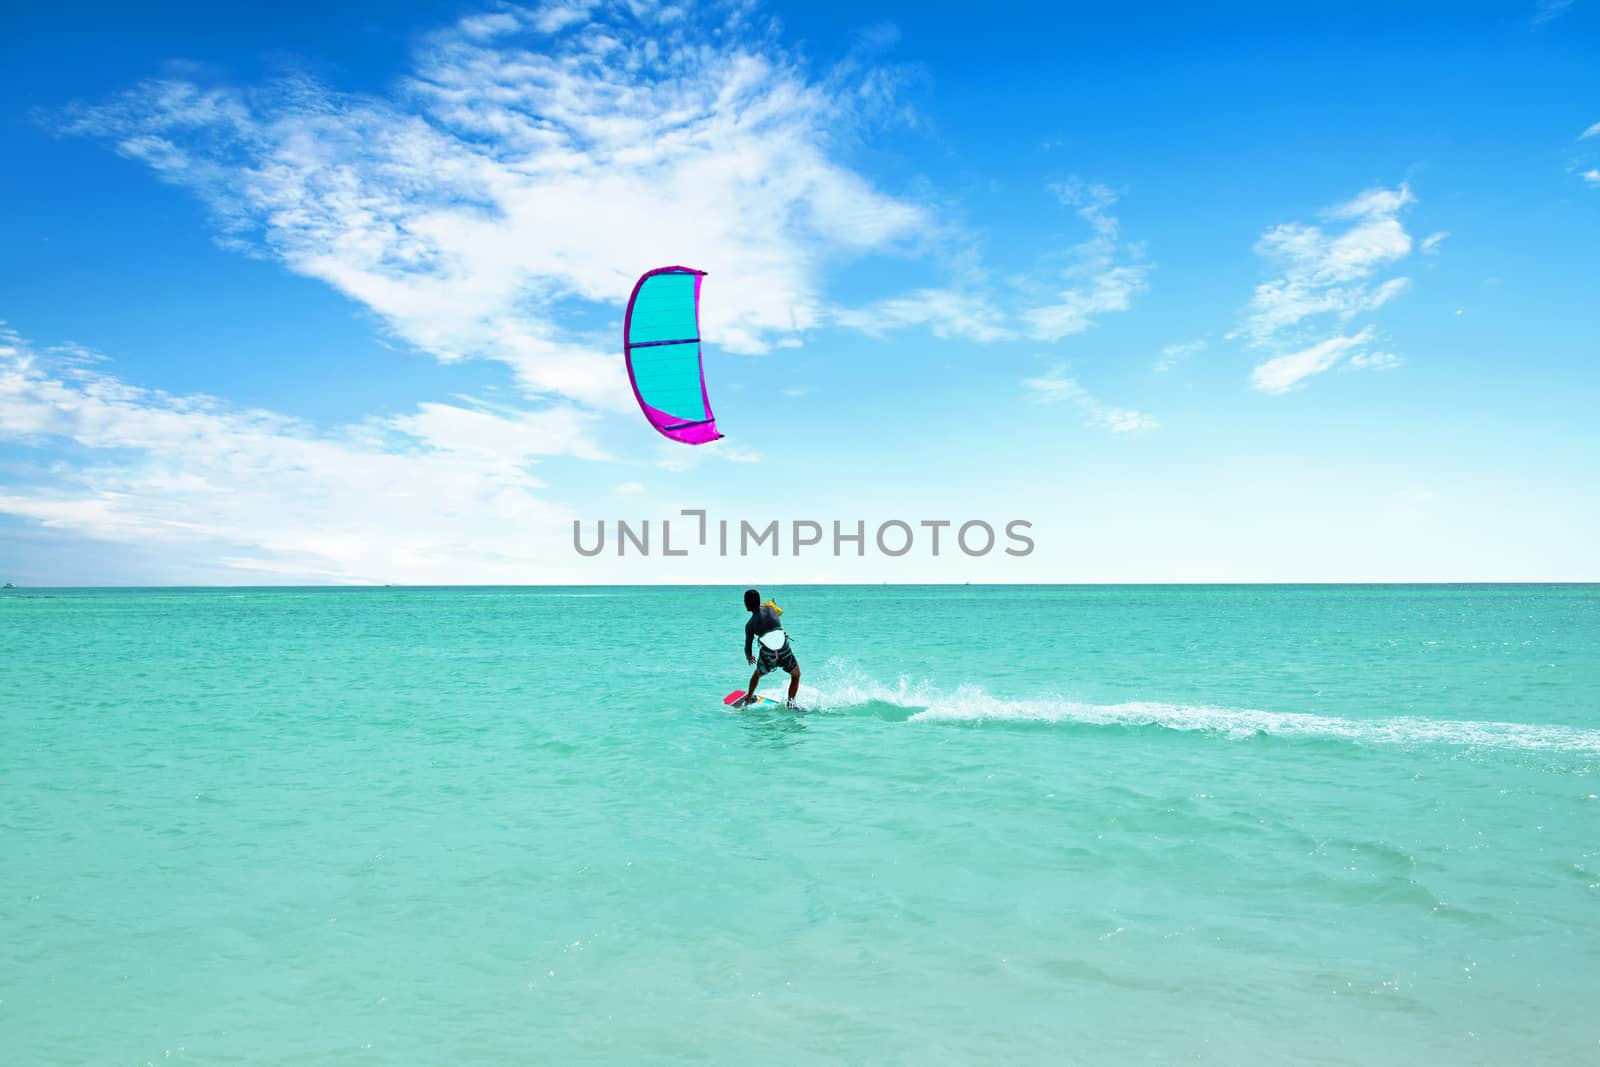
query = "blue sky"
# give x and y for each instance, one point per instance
(1246, 294)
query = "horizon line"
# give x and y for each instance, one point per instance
(864, 585)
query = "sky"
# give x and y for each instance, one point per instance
(334, 294)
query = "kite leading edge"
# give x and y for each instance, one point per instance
(661, 342)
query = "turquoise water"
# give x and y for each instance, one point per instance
(1229, 824)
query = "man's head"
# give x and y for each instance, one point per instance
(752, 599)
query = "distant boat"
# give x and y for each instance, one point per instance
(10, 586)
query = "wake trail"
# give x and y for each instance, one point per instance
(970, 703)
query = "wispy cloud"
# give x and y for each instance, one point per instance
(1582, 162)
(1055, 386)
(678, 460)
(1375, 360)
(532, 164)
(1549, 10)
(1106, 273)
(1329, 273)
(514, 435)
(945, 313)
(1283, 373)
(443, 494)
(1334, 273)
(1172, 355)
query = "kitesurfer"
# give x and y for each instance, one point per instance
(765, 628)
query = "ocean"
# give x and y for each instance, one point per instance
(1132, 824)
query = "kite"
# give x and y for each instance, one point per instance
(661, 341)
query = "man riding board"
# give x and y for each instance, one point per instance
(765, 629)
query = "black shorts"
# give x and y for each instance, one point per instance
(784, 658)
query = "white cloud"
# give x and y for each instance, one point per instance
(1335, 270)
(528, 170)
(444, 494)
(630, 487)
(557, 15)
(512, 437)
(1375, 360)
(1330, 273)
(1283, 373)
(1549, 10)
(1172, 355)
(479, 27)
(677, 459)
(945, 313)
(1582, 163)
(1056, 387)
(1075, 309)
(1105, 275)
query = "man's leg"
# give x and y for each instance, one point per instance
(794, 682)
(750, 693)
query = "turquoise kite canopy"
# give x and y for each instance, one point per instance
(661, 342)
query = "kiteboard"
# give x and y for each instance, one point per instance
(733, 698)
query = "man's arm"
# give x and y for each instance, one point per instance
(749, 635)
